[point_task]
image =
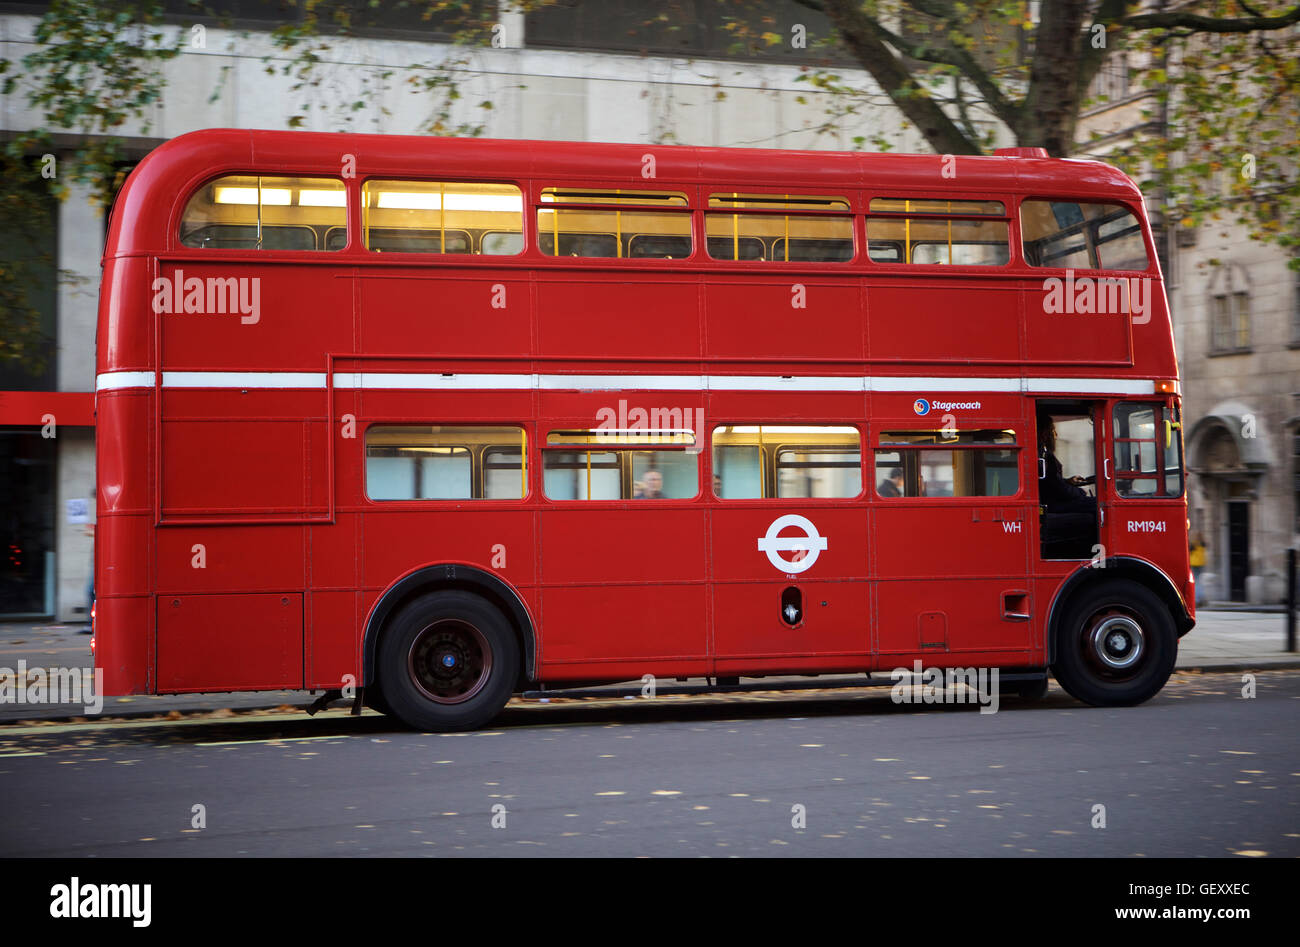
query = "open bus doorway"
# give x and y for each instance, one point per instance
(1067, 479)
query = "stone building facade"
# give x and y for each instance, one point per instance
(1235, 304)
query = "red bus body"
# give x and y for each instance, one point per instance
(238, 549)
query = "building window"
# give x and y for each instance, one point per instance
(28, 287)
(1230, 324)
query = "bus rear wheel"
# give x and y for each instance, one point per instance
(448, 661)
(1116, 646)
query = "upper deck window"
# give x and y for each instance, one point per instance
(934, 230)
(443, 217)
(1082, 236)
(781, 227)
(615, 222)
(248, 212)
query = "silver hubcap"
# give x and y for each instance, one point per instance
(1118, 642)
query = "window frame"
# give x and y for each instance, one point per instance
(624, 453)
(1144, 229)
(882, 446)
(478, 480)
(175, 240)
(850, 213)
(361, 242)
(770, 464)
(1234, 318)
(1009, 216)
(534, 204)
(1162, 414)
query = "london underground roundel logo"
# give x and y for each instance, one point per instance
(921, 406)
(806, 548)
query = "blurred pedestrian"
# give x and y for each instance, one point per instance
(1196, 558)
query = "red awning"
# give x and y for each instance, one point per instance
(68, 408)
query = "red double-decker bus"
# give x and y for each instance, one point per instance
(453, 419)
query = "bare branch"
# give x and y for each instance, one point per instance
(864, 39)
(1211, 24)
(948, 55)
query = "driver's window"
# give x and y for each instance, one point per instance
(1074, 448)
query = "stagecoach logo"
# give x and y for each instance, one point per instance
(923, 407)
(806, 548)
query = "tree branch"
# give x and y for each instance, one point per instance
(948, 55)
(865, 40)
(1109, 14)
(1211, 24)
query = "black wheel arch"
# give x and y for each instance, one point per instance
(1118, 567)
(452, 576)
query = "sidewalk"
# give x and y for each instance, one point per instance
(1223, 640)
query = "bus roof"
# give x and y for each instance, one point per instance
(156, 189)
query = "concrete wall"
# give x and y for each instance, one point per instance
(535, 93)
(81, 241)
(73, 544)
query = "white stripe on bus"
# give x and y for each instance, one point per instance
(436, 381)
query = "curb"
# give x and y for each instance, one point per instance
(1204, 667)
(1209, 667)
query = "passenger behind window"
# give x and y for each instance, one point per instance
(893, 486)
(652, 486)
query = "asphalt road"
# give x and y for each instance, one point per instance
(1197, 771)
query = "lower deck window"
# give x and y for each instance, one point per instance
(947, 464)
(626, 474)
(756, 461)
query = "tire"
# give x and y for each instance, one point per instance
(448, 661)
(1116, 646)
(1027, 690)
(374, 698)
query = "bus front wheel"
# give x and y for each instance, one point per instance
(448, 661)
(1116, 646)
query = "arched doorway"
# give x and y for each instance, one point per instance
(1226, 459)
